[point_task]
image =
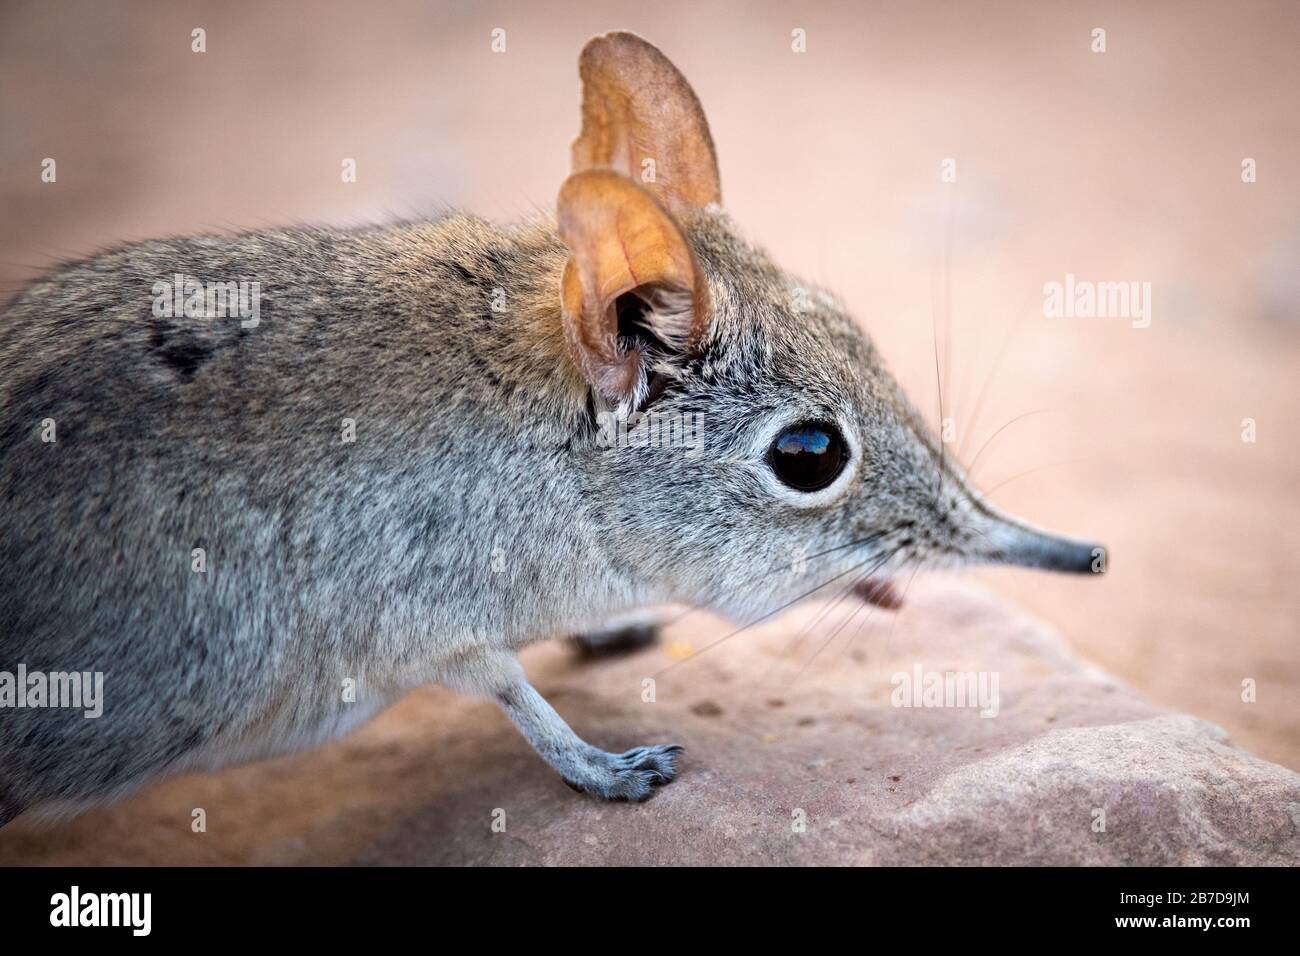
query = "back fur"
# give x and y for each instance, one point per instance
(369, 560)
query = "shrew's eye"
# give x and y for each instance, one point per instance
(809, 456)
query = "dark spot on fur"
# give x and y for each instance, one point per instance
(464, 274)
(508, 698)
(179, 349)
(185, 357)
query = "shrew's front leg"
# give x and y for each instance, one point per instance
(632, 775)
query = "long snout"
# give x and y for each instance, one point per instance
(1008, 541)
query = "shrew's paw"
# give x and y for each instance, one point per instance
(627, 776)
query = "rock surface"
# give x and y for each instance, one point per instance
(795, 754)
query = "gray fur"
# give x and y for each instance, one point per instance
(374, 561)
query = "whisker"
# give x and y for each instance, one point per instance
(777, 569)
(831, 606)
(947, 303)
(835, 633)
(857, 632)
(938, 383)
(769, 614)
(970, 469)
(863, 624)
(893, 624)
(1055, 464)
(992, 373)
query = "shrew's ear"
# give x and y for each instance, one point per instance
(641, 118)
(632, 295)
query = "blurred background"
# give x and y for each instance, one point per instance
(1117, 166)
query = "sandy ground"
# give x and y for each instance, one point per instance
(1118, 166)
(788, 760)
